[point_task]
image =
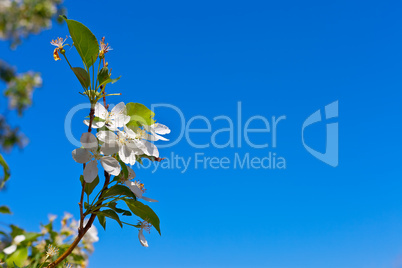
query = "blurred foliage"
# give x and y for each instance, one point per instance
(18, 20)
(32, 249)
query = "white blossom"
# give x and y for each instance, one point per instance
(156, 129)
(90, 152)
(128, 146)
(147, 227)
(138, 189)
(112, 120)
(18, 239)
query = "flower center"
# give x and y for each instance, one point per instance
(108, 119)
(97, 156)
(140, 185)
(140, 133)
(121, 138)
(146, 226)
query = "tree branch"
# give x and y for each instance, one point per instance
(82, 232)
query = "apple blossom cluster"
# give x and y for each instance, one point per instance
(124, 136)
(117, 144)
(117, 140)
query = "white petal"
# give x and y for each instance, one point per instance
(126, 119)
(109, 148)
(106, 136)
(129, 132)
(110, 165)
(151, 149)
(158, 137)
(142, 239)
(126, 155)
(121, 121)
(119, 109)
(160, 129)
(131, 173)
(11, 249)
(81, 155)
(91, 171)
(100, 111)
(19, 238)
(92, 235)
(155, 130)
(134, 188)
(154, 137)
(95, 124)
(89, 141)
(139, 145)
(149, 199)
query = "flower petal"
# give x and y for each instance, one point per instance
(131, 173)
(91, 171)
(150, 149)
(119, 109)
(18, 239)
(13, 248)
(120, 121)
(56, 54)
(89, 141)
(129, 133)
(100, 111)
(95, 124)
(142, 239)
(149, 199)
(160, 129)
(81, 155)
(134, 188)
(110, 165)
(109, 148)
(106, 136)
(127, 155)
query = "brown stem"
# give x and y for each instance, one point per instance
(91, 117)
(81, 205)
(82, 232)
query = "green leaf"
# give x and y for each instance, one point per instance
(84, 41)
(124, 169)
(119, 190)
(104, 77)
(111, 214)
(6, 171)
(144, 212)
(5, 210)
(82, 76)
(15, 230)
(89, 187)
(31, 236)
(109, 80)
(102, 220)
(124, 212)
(18, 257)
(140, 115)
(152, 158)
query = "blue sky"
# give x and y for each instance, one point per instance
(277, 58)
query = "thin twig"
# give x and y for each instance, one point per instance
(83, 230)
